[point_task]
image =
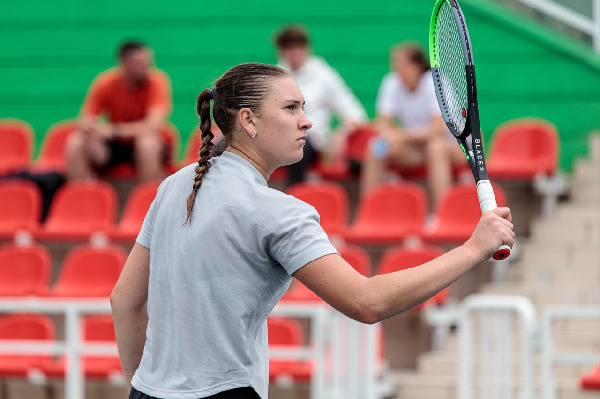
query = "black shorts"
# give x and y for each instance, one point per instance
(237, 393)
(124, 152)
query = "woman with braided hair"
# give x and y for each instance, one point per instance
(218, 248)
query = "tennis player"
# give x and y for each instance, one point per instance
(218, 249)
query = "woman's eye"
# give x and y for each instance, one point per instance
(292, 107)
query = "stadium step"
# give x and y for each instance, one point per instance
(558, 265)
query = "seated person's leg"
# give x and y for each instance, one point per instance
(442, 156)
(84, 152)
(149, 156)
(383, 153)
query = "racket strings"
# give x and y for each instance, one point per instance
(451, 65)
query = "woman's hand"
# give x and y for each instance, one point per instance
(493, 230)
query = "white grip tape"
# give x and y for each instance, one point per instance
(487, 199)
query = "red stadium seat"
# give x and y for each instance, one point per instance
(79, 209)
(357, 257)
(298, 292)
(286, 332)
(357, 142)
(591, 381)
(96, 329)
(522, 149)
(172, 140)
(20, 206)
(190, 154)
(137, 205)
(24, 327)
(89, 272)
(16, 137)
(100, 328)
(336, 169)
(329, 199)
(346, 167)
(388, 214)
(24, 270)
(401, 258)
(52, 155)
(457, 214)
(420, 172)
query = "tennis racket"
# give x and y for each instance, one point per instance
(453, 73)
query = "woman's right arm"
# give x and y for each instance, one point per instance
(370, 300)
(128, 301)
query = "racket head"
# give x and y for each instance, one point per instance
(451, 60)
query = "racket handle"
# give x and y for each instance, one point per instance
(487, 202)
(487, 199)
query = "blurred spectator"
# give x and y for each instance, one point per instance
(407, 96)
(326, 96)
(120, 119)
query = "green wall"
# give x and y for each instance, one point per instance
(50, 51)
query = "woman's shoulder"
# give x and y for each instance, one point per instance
(391, 81)
(278, 202)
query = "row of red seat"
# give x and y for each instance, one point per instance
(283, 332)
(16, 151)
(87, 271)
(39, 327)
(78, 209)
(391, 213)
(520, 149)
(388, 214)
(92, 271)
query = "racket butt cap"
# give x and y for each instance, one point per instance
(502, 253)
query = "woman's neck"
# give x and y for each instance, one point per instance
(253, 158)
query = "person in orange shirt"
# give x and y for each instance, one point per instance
(121, 118)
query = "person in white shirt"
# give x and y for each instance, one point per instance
(327, 96)
(407, 96)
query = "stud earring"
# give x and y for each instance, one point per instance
(254, 133)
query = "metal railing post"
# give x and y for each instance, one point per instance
(550, 356)
(518, 305)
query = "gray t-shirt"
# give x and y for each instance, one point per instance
(214, 282)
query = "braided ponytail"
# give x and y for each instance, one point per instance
(205, 150)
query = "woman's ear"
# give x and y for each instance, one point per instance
(247, 120)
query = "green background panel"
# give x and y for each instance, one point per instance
(50, 52)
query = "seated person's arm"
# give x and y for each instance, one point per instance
(386, 125)
(433, 129)
(150, 125)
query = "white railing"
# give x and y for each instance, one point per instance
(345, 353)
(550, 356)
(496, 326)
(582, 23)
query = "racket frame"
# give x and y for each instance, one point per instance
(473, 150)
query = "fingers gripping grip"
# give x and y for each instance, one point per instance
(487, 201)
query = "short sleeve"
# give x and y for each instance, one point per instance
(94, 99)
(296, 237)
(342, 99)
(386, 102)
(160, 93)
(145, 235)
